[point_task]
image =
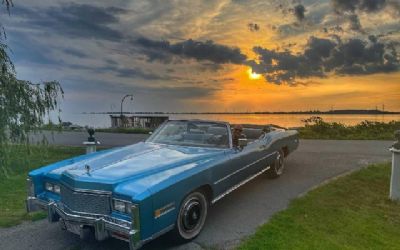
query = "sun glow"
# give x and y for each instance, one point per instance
(253, 75)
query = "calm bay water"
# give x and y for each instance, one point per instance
(284, 120)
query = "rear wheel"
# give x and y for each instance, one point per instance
(276, 169)
(192, 216)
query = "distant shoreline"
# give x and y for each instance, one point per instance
(316, 112)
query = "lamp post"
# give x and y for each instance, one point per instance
(122, 103)
(123, 99)
(395, 178)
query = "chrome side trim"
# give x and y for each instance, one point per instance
(243, 168)
(238, 185)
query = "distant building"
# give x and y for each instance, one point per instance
(137, 121)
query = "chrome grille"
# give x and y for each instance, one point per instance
(86, 202)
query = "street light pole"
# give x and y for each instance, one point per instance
(123, 99)
(122, 102)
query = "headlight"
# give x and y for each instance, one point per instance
(122, 206)
(49, 187)
(52, 187)
(56, 189)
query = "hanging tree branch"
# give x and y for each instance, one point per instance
(8, 4)
(23, 105)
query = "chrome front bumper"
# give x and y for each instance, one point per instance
(104, 226)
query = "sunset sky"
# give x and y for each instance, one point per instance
(219, 55)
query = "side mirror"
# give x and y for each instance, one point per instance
(242, 142)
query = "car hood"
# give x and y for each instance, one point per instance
(105, 170)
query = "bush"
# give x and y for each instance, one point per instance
(317, 128)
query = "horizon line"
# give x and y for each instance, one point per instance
(337, 111)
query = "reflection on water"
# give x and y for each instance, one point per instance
(284, 120)
(290, 120)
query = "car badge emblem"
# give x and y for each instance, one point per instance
(87, 167)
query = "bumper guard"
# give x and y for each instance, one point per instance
(104, 226)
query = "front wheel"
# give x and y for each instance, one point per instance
(192, 216)
(276, 169)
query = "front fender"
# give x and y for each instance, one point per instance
(166, 190)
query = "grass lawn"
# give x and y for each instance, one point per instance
(352, 212)
(13, 188)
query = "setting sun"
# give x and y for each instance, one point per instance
(253, 75)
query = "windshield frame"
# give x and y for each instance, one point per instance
(158, 130)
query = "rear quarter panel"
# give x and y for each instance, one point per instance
(288, 140)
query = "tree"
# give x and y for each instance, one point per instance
(23, 105)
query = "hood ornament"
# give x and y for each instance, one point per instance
(87, 167)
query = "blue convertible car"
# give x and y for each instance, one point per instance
(168, 182)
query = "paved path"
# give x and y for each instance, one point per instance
(240, 213)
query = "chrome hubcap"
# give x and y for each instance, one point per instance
(191, 215)
(279, 163)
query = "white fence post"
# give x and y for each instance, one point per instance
(395, 178)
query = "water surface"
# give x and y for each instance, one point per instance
(284, 120)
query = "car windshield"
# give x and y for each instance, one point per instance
(192, 133)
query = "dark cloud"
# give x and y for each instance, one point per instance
(354, 22)
(141, 93)
(165, 51)
(207, 66)
(324, 56)
(135, 73)
(345, 5)
(290, 29)
(75, 52)
(124, 72)
(111, 62)
(334, 29)
(73, 20)
(372, 5)
(253, 27)
(299, 12)
(350, 9)
(341, 6)
(114, 68)
(394, 8)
